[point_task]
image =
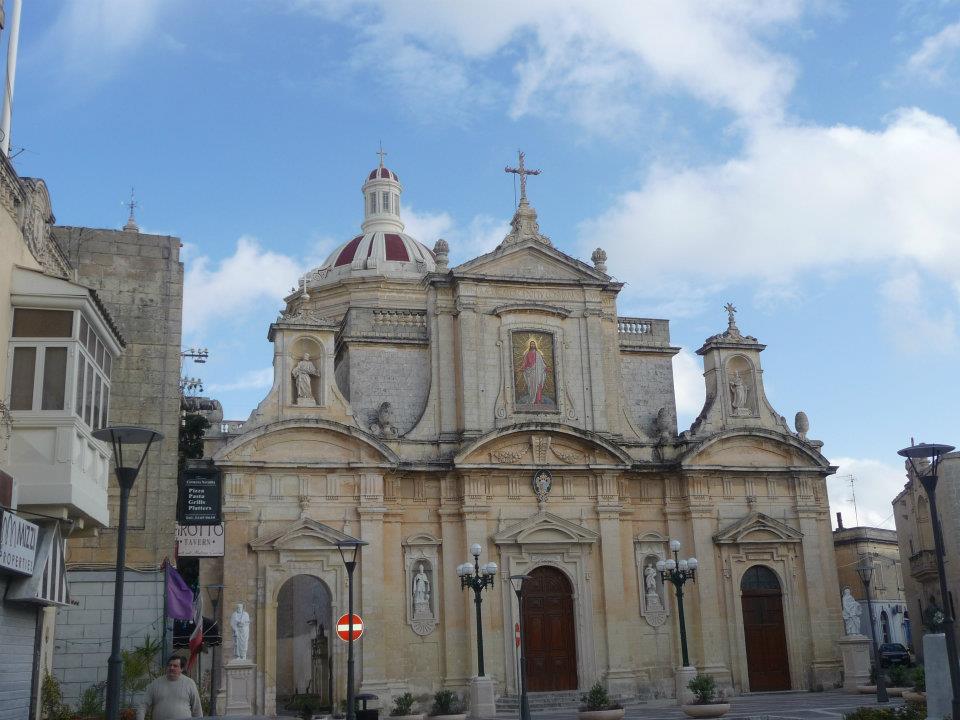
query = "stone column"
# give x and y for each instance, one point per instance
(469, 326)
(621, 677)
(482, 689)
(455, 623)
(373, 649)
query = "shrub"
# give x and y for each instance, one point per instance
(52, 706)
(919, 679)
(597, 699)
(897, 675)
(445, 702)
(402, 705)
(704, 687)
(905, 712)
(305, 705)
(91, 701)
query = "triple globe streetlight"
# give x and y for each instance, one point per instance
(677, 571)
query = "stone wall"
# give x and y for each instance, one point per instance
(647, 385)
(140, 280)
(83, 634)
(399, 375)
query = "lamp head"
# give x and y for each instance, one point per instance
(865, 569)
(517, 582)
(490, 568)
(692, 563)
(349, 550)
(661, 565)
(475, 549)
(671, 564)
(682, 565)
(126, 438)
(675, 545)
(464, 569)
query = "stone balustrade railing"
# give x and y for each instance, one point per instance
(635, 331)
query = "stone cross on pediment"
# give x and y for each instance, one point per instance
(522, 172)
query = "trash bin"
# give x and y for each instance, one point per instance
(362, 713)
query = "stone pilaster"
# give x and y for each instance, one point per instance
(621, 675)
(373, 676)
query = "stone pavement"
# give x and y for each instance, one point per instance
(829, 705)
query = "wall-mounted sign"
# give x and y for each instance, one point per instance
(18, 543)
(199, 498)
(200, 540)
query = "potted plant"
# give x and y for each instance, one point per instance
(597, 705)
(919, 692)
(305, 705)
(706, 704)
(447, 705)
(402, 708)
(897, 676)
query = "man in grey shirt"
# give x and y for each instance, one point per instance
(172, 696)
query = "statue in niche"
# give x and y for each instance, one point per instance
(421, 594)
(240, 624)
(851, 613)
(383, 426)
(302, 372)
(651, 593)
(738, 395)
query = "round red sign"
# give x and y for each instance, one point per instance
(516, 631)
(343, 627)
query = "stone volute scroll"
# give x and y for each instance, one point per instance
(420, 561)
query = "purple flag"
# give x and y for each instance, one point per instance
(179, 596)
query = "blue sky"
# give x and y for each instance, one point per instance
(800, 159)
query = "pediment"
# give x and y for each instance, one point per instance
(757, 528)
(748, 451)
(530, 260)
(304, 534)
(545, 528)
(542, 445)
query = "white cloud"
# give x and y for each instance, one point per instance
(481, 235)
(236, 286)
(798, 198)
(935, 55)
(585, 61)
(688, 387)
(250, 380)
(915, 323)
(875, 484)
(426, 227)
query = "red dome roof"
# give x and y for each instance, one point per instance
(384, 173)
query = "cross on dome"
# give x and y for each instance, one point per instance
(381, 152)
(131, 225)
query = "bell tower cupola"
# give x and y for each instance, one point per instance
(381, 200)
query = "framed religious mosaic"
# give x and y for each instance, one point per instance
(534, 371)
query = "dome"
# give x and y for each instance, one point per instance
(384, 173)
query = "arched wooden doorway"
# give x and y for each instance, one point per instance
(304, 633)
(548, 627)
(768, 667)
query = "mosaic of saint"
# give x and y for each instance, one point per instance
(534, 371)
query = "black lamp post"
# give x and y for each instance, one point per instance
(214, 591)
(477, 578)
(349, 549)
(928, 478)
(865, 571)
(678, 571)
(120, 438)
(517, 582)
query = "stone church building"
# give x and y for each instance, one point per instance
(422, 408)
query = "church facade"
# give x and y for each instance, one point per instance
(423, 408)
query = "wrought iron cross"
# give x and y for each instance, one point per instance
(132, 203)
(381, 153)
(522, 172)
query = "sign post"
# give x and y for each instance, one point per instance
(344, 627)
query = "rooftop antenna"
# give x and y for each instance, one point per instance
(853, 499)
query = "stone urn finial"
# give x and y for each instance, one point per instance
(599, 258)
(802, 424)
(442, 252)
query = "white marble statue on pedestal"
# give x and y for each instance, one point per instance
(240, 624)
(851, 613)
(302, 372)
(652, 596)
(421, 594)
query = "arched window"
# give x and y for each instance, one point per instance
(759, 578)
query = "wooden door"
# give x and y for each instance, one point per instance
(549, 634)
(767, 664)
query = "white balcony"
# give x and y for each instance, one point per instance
(60, 469)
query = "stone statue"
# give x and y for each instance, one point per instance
(652, 596)
(240, 623)
(851, 613)
(421, 593)
(383, 425)
(738, 395)
(302, 373)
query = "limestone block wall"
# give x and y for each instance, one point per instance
(398, 374)
(83, 632)
(140, 279)
(646, 382)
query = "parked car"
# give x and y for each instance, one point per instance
(893, 654)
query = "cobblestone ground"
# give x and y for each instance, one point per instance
(769, 706)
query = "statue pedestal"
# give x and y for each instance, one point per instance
(241, 677)
(855, 650)
(683, 677)
(483, 697)
(939, 692)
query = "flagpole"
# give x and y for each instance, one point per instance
(166, 609)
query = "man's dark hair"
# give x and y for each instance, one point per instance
(178, 658)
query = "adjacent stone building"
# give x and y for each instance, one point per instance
(422, 408)
(911, 512)
(891, 615)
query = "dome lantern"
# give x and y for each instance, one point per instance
(381, 200)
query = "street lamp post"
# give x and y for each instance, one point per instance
(214, 593)
(349, 549)
(678, 571)
(865, 571)
(928, 478)
(517, 582)
(477, 578)
(119, 438)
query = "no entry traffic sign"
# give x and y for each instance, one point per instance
(343, 627)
